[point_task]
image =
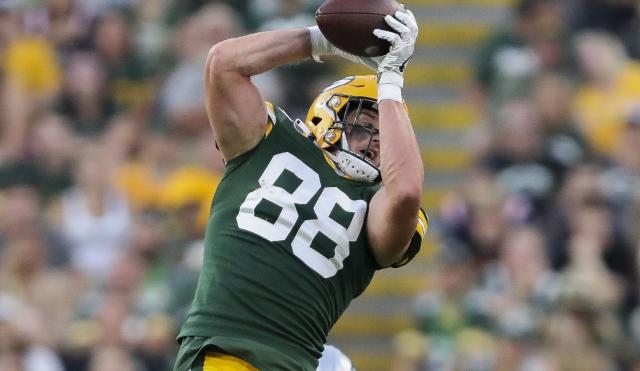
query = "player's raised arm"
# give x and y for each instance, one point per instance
(235, 107)
(394, 209)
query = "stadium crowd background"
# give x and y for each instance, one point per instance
(107, 170)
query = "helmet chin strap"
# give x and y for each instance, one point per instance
(353, 165)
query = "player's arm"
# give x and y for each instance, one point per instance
(393, 212)
(394, 209)
(235, 107)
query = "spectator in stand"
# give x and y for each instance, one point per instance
(52, 154)
(21, 212)
(122, 138)
(66, 24)
(477, 217)
(153, 37)
(611, 90)
(410, 347)
(601, 266)
(94, 217)
(448, 312)
(149, 246)
(183, 92)
(112, 359)
(18, 354)
(85, 98)
(158, 180)
(31, 80)
(582, 206)
(129, 77)
(515, 293)
(507, 63)
(622, 180)
(47, 164)
(553, 96)
(551, 216)
(523, 167)
(571, 342)
(11, 347)
(142, 177)
(47, 295)
(619, 17)
(178, 10)
(120, 319)
(519, 289)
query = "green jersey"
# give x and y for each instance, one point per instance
(285, 252)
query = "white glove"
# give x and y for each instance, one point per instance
(391, 68)
(320, 46)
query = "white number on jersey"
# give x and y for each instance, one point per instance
(280, 229)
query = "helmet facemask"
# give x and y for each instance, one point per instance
(357, 164)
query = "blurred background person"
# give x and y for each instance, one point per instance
(611, 90)
(618, 17)
(95, 218)
(553, 94)
(32, 77)
(85, 100)
(183, 92)
(508, 62)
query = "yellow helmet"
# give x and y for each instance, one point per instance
(330, 107)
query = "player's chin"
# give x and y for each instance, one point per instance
(370, 155)
(374, 161)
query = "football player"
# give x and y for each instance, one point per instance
(307, 211)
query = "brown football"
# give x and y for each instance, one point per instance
(349, 24)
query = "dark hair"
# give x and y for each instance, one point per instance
(595, 201)
(525, 8)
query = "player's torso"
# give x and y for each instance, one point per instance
(286, 247)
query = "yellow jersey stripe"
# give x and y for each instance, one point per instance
(421, 229)
(268, 130)
(225, 362)
(416, 241)
(271, 118)
(271, 112)
(423, 223)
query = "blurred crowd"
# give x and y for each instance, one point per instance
(540, 257)
(108, 169)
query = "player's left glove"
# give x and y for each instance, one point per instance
(320, 46)
(391, 68)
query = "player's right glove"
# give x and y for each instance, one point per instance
(391, 68)
(320, 46)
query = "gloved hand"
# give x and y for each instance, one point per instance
(320, 46)
(402, 43)
(391, 68)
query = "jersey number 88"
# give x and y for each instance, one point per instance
(280, 229)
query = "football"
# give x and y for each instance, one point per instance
(349, 24)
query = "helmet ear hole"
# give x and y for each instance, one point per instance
(316, 120)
